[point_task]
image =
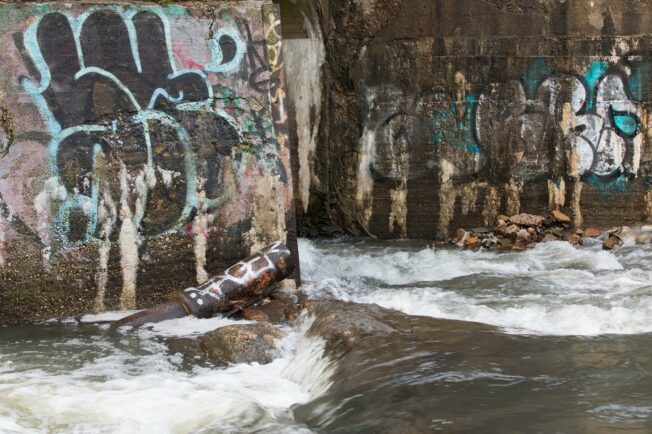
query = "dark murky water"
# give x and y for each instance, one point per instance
(551, 340)
(451, 376)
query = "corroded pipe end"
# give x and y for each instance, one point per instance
(161, 312)
(250, 278)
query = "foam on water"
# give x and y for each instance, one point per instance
(116, 390)
(188, 326)
(107, 316)
(553, 289)
(81, 378)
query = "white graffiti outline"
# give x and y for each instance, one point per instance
(89, 204)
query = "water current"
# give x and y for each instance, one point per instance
(554, 339)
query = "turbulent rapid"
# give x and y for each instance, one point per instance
(553, 339)
(553, 289)
(75, 377)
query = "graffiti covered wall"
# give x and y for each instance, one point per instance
(463, 110)
(144, 148)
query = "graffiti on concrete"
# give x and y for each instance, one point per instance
(154, 119)
(119, 111)
(486, 142)
(591, 124)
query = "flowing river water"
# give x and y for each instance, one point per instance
(554, 339)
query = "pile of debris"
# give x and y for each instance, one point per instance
(523, 231)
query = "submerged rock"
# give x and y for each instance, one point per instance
(275, 311)
(611, 242)
(238, 343)
(253, 314)
(343, 325)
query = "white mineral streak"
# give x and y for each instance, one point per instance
(636, 155)
(129, 263)
(167, 176)
(200, 235)
(621, 48)
(568, 119)
(491, 206)
(150, 176)
(52, 191)
(447, 195)
(513, 192)
(229, 188)
(648, 205)
(106, 216)
(398, 212)
(5, 222)
(576, 204)
(399, 157)
(128, 238)
(144, 180)
(102, 276)
(646, 125)
(268, 222)
(556, 193)
(365, 186)
(469, 196)
(303, 60)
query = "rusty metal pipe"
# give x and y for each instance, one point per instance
(249, 278)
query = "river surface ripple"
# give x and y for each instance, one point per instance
(554, 339)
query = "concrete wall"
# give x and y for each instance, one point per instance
(143, 148)
(441, 114)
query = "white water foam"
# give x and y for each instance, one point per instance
(553, 289)
(118, 391)
(108, 316)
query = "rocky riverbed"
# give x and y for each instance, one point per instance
(524, 231)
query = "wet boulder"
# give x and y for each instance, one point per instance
(459, 237)
(239, 343)
(524, 219)
(622, 236)
(611, 242)
(343, 325)
(277, 311)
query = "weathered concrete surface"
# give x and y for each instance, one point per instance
(443, 114)
(144, 148)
